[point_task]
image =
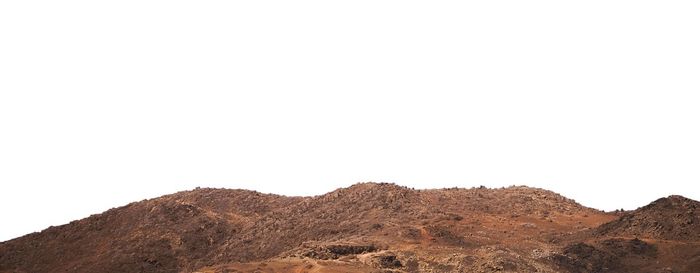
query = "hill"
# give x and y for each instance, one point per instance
(368, 227)
(670, 218)
(663, 236)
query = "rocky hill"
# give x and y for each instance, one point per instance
(368, 227)
(164, 234)
(663, 236)
(671, 218)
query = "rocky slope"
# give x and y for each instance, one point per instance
(368, 227)
(164, 234)
(663, 236)
(671, 218)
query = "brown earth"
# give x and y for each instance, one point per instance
(368, 227)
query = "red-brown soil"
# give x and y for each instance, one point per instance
(369, 227)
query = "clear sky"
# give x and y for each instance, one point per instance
(107, 102)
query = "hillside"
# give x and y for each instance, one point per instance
(663, 236)
(671, 218)
(158, 235)
(368, 227)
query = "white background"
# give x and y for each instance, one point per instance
(107, 102)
